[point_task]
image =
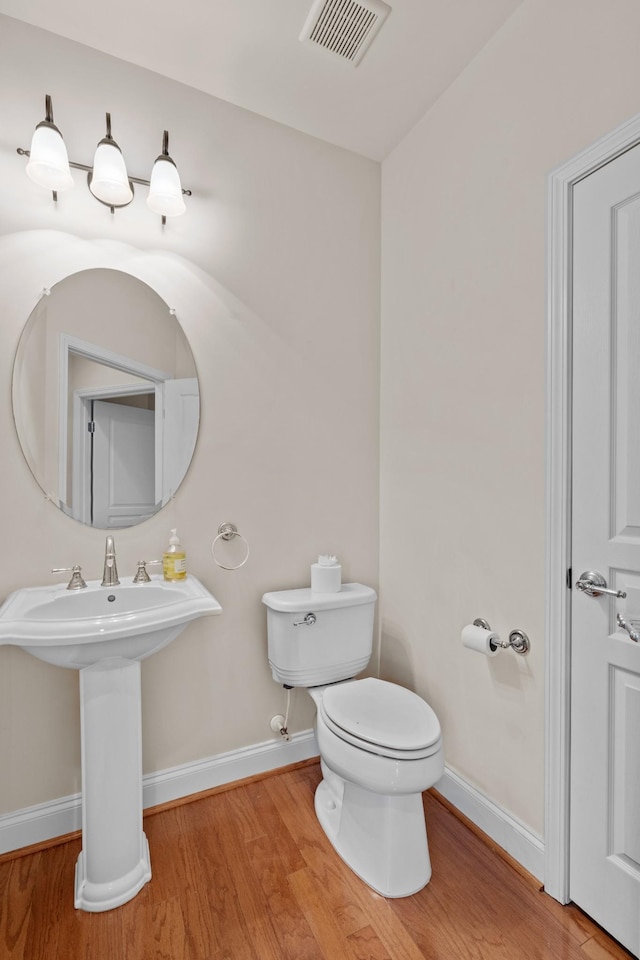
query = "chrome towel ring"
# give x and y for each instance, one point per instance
(227, 531)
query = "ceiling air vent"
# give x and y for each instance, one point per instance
(345, 27)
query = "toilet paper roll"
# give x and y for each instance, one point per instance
(326, 576)
(480, 640)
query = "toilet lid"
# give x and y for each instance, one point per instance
(382, 713)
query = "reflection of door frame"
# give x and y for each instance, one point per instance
(558, 508)
(73, 346)
(81, 449)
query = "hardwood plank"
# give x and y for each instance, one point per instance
(257, 921)
(328, 932)
(91, 936)
(275, 827)
(248, 812)
(578, 924)
(295, 938)
(365, 945)
(248, 874)
(213, 921)
(581, 927)
(156, 931)
(397, 938)
(182, 866)
(506, 920)
(51, 899)
(602, 947)
(15, 905)
(340, 888)
(295, 803)
(273, 856)
(504, 917)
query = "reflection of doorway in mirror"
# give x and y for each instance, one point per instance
(112, 461)
(112, 478)
(121, 477)
(128, 443)
(95, 331)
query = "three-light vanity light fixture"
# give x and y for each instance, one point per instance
(107, 178)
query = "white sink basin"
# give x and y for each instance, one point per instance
(103, 632)
(79, 628)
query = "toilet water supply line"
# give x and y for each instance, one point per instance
(279, 724)
(229, 531)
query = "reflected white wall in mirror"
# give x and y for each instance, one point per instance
(105, 398)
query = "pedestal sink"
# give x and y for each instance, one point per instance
(104, 632)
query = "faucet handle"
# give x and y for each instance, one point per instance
(77, 581)
(141, 574)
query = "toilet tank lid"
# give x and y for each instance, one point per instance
(303, 600)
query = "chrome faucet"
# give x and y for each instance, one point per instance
(110, 575)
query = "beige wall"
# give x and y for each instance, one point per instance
(463, 373)
(274, 276)
(275, 273)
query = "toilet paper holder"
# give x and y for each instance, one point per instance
(518, 640)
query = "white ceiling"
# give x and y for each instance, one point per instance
(247, 52)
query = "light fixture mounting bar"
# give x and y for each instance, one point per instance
(87, 169)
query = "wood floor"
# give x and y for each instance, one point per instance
(247, 874)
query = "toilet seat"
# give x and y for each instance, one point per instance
(381, 717)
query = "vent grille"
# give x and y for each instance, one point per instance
(345, 27)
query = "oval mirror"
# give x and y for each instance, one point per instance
(105, 398)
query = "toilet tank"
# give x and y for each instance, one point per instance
(334, 646)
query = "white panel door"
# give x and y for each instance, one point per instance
(605, 660)
(123, 480)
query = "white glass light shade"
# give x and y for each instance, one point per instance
(48, 161)
(109, 180)
(165, 189)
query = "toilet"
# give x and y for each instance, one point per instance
(380, 744)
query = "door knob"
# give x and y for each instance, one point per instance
(594, 585)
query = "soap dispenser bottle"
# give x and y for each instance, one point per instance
(174, 559)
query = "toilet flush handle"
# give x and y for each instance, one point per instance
(307, 621)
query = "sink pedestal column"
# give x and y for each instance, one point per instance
(114, 863)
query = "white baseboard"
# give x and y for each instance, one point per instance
(58, 817)
(55, 818)
(511, 834)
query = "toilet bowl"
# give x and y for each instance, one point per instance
(380, 747)
(380, 744)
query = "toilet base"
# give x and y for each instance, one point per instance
(383, 839)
